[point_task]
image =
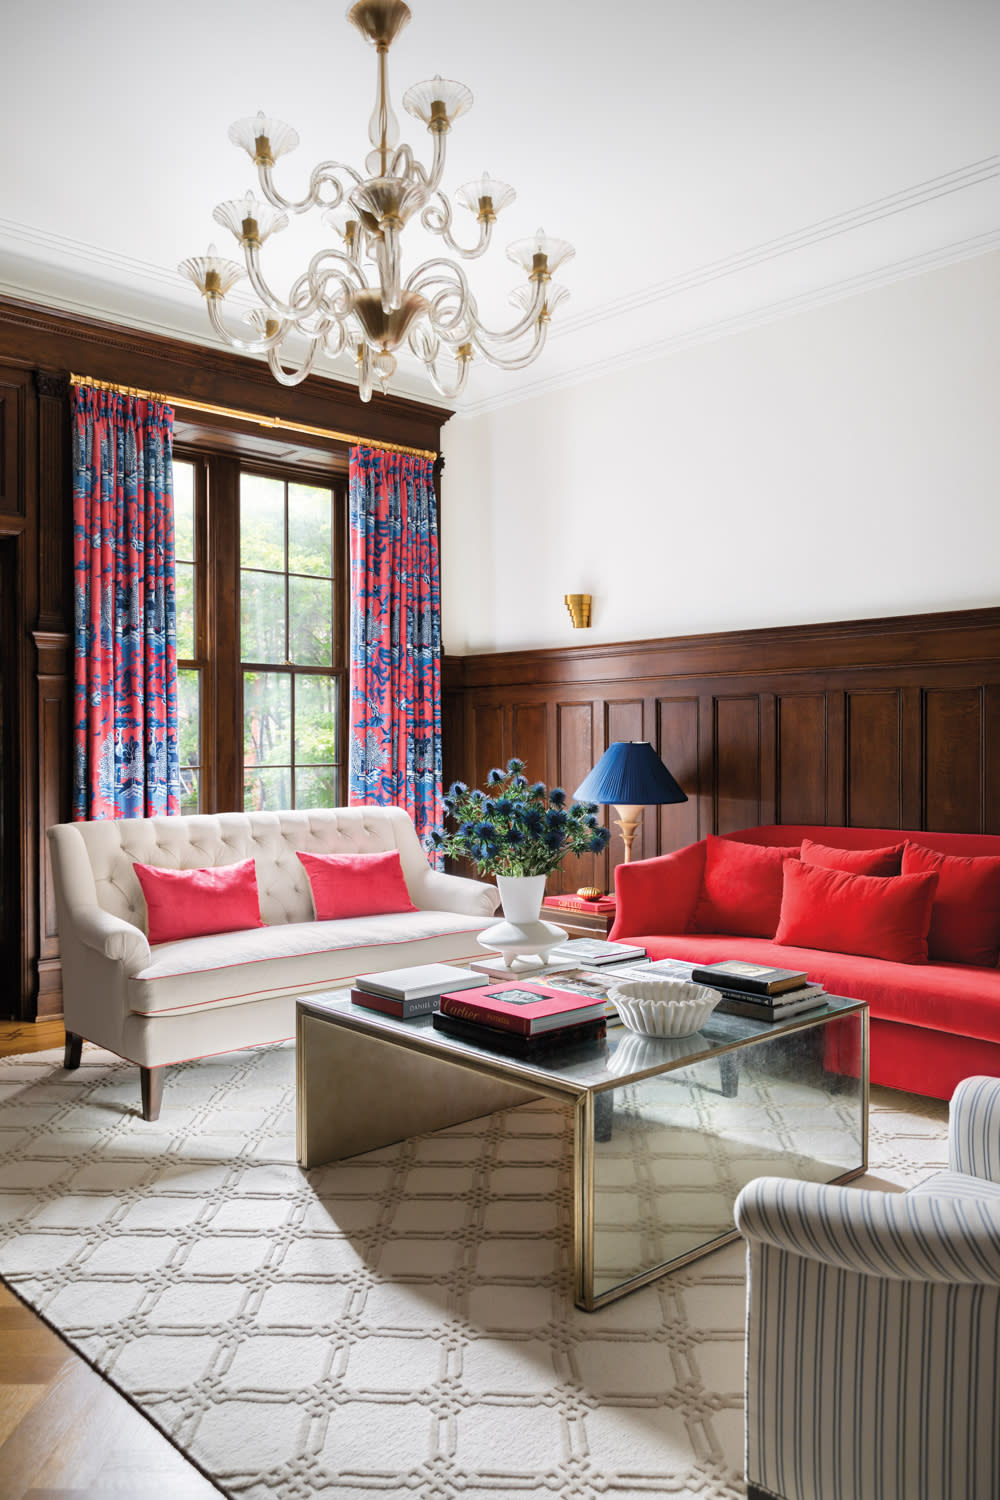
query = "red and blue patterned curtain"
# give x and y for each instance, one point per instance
(125, 705)
(395, 733)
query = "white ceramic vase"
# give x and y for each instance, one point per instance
(522, 939)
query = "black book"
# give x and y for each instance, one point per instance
(755, 979)
(760, 1010)
(512, 1043)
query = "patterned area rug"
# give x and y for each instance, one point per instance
(401, 1324)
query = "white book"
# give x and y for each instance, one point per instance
(597, 951)
(418, 983)
(495, 967)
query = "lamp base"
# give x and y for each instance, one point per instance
(523, 945)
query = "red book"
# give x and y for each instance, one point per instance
(529, 1009)
(577, 903)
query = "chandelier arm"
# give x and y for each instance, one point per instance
(522, 326)
(344, 269)
(326, 172)
(513, 361)
(245, 346)
(294, 377)
(269, 298)
(449, 392)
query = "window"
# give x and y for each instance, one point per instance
(262, 582)
(287, 617)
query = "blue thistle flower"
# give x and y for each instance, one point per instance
(457, 789)
(538, 792)
(557, 797)
(514, 766)
(495, 778)
(520, 783)
(556, 818)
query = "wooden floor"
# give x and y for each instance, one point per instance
(65, 1434)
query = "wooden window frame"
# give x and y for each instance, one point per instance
(217, 607)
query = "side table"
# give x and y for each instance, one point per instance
(579, 924)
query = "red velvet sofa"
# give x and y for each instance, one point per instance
(932, 1023)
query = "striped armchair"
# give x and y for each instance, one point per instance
(873, 1328)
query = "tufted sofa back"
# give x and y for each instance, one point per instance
(199, 841)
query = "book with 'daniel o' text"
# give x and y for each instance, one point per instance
(525, 1008)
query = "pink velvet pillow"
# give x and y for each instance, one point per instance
(356, 885)
(855, 861)
(193, 903)
(741, 888)
(965, 919)
(878, 916)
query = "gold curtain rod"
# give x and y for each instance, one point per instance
(249, 416)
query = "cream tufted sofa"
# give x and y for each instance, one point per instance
(204, 995)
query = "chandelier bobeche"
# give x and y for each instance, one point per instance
(333, 304)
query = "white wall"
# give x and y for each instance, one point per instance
(839, 464)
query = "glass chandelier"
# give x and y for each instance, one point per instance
(354, 299)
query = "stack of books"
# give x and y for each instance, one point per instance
(521, 1019)
(405, 993)
(590, 951)
(758, 991)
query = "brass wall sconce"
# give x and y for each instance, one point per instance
(579, 609)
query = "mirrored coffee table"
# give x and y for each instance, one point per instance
(666, 1132)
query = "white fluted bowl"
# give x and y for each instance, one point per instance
(664, 1007)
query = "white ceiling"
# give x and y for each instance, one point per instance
(716, 163)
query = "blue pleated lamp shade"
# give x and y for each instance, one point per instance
(629, 773)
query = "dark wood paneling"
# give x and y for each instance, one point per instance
(874, 769)
(14, 385)
(802, 770)
(487, 742)
(737, 763)
(677, 745)
(865, 722)
(954, 736)
(528, 736)
(576, 754)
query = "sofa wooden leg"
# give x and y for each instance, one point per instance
(73, 1050)
(151, 1082)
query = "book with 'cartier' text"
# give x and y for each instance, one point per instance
(525, 1008)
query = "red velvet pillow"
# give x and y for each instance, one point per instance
(193, 903)
(356, 885)
(855, 861)
(965, 919)
(741, 888)
(878, 916)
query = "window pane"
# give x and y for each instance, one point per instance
(267, 719)
(316, 786)
(189, 736)
(310, 622)
(262, 617)
(267, 791)
(315, 720)
(183, 511)
(184, 598)
(262, 522)
(310, 530)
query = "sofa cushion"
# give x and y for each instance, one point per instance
(741, 888)
(855, 861)
(295, 957)
(875, 916)
(965, 917)
(943, 997)
(192, 903)
(356, 885)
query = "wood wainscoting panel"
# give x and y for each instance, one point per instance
(891, 723)
(954, 726)
(528, 738)
(738, 769)
(801, 771)
(874, 759)
(487, 742)
(677, 744)
(577, 749)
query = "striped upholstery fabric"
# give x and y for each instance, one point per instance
(873, 1329)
